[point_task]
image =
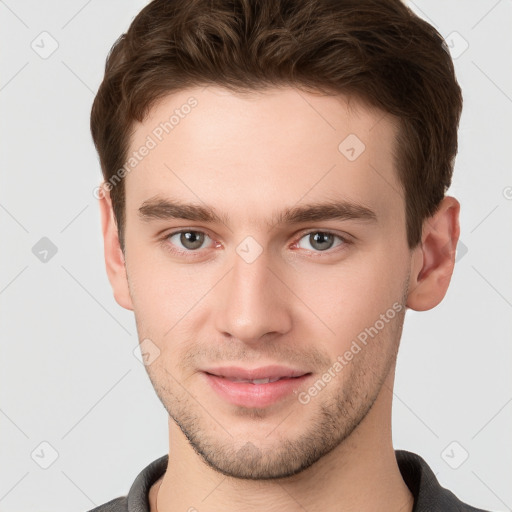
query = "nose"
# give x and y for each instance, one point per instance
(253, 302)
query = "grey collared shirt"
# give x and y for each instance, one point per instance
(428, 494)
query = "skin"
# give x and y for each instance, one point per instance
(297, 304)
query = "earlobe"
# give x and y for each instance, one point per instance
(114, 258)
(433, 260)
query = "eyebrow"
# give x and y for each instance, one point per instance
(159, 208)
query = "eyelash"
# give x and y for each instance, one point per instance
(168, 246)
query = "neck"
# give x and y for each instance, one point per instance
(360, 474)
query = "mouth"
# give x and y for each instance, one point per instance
(262, 373)
(267, 380)
(259, 387)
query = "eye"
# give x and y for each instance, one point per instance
(189, 239)
(321, 241)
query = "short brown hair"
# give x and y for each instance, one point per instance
(376, 50)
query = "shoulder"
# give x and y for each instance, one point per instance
(429, 495)
(115, 505)
(139, 492)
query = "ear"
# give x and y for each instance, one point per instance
(114, 257)
(433, 259)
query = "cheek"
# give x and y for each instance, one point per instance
(165, 297)
(349, 296)
(162, 292)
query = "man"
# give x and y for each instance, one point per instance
(273, 202)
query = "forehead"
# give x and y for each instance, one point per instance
(263, 150)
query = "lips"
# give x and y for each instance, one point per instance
(255, 381)
(258, 387)
(260, 375)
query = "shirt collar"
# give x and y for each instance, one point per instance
(426, 490)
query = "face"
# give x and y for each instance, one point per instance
(298, 256)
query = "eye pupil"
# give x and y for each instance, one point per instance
(319, 238)
(192, 239)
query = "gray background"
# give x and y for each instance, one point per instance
(70, 378)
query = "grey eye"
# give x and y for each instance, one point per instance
(319, 240)
(190, 240)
